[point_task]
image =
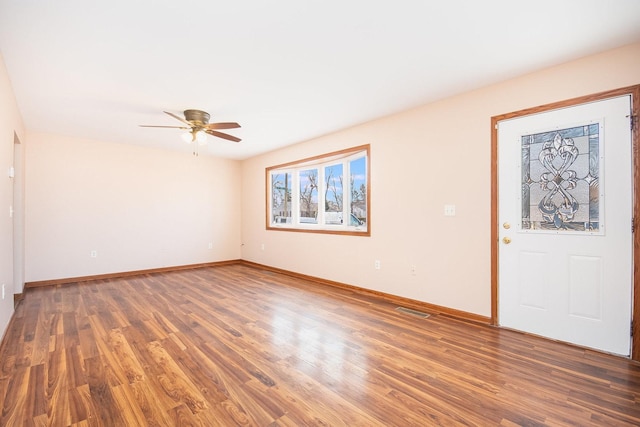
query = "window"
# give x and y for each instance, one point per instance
(323, 194)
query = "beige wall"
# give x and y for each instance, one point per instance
(10, 126)
(138, 207)
(421, 160)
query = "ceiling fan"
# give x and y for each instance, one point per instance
(197, 125)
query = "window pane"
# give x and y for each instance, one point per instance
(333, 194)
(358, 169)
(309, 196)
(281, 198)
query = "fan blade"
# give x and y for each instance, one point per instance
(172, 127)
(226, 125)
(178, 118)
(222, 135)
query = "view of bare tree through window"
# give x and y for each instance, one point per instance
(358, 185)
(281, 195)
(330, 194)
(333, 194)
(309, 196)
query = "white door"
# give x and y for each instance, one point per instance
(565, 218)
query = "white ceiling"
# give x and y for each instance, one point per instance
(286, 70)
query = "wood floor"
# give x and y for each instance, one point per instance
(236, 345)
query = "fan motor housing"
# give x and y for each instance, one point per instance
(197, 117)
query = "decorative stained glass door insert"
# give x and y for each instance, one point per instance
(561, 180)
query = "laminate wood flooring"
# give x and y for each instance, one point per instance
(240, 346)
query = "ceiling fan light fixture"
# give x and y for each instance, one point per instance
(201, 137)
(187, 137)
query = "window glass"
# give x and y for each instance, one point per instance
(281, 197)
(308, 185)
(358, 180)
(323, 194)
(333, 194)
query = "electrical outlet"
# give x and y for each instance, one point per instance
(376, 264)
(413, 269)
(94, 254)
(262, 246)
(449, 210)
(210, 245)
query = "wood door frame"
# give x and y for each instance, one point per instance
(634, 91)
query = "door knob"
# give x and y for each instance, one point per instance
(506, 225)
(506, 240)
